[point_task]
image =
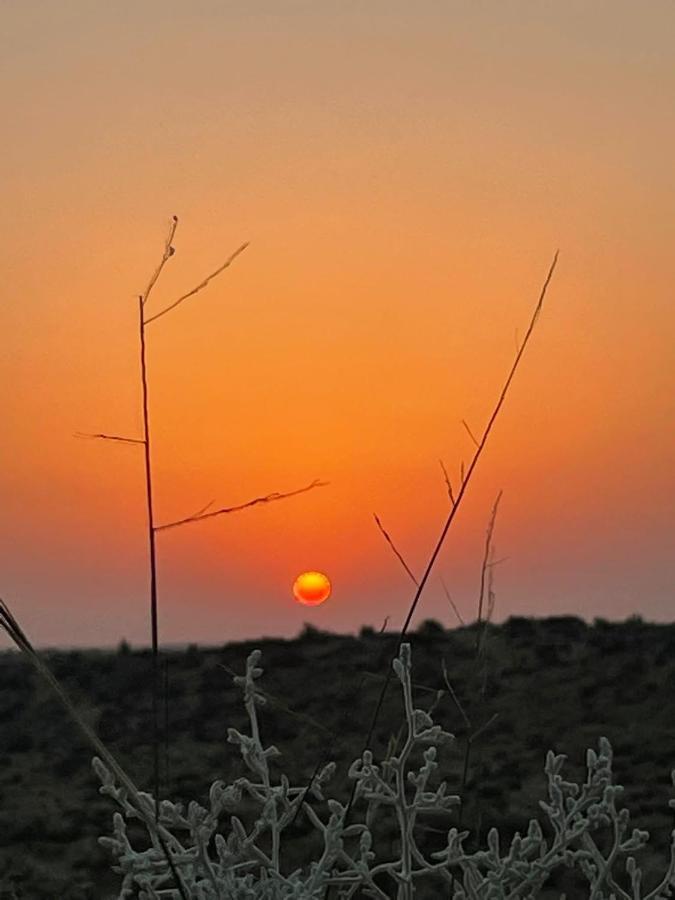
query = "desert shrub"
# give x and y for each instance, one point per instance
(431, 629)
(379, 846)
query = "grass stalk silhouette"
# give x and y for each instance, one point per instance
(145, 441)
(465, 481)
(142, 808)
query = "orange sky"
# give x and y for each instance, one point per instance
(404, 178)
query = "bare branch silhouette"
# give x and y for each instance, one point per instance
(448, 483)
(268, 498)
(451, 601)
(199, 287)
(470, 432)
(166, 256)
(393, 547)
(449, 520)
(146, 443)
(486, 567)
(110, 437)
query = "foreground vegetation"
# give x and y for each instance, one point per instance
(552, 684)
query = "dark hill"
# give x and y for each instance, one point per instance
(555, 683)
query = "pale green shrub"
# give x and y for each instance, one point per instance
(217, 856)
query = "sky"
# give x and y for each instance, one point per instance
(404, 178)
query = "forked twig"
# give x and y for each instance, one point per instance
(202, 284)
(448, 483)
(146, 443)
(466, 479)
(166, 256)
(268, 498)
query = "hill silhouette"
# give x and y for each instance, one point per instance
(553, 683)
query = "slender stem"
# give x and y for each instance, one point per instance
(152, 561)
(466, 478)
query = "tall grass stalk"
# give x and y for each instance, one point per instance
(145, 441)
(465, 481)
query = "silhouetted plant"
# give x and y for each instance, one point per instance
(234, 846)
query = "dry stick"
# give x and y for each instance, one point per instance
(154, 629)
(453, 511)
(486, 577)
(451, 601)
(471, 737)
(166, 256)
(448, 483)
(200, 286)
(393, 547)
(10, 625)
(268, 498)
(110, 437)
(484, 567)
(469, 432)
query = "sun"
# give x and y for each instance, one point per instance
(311, 588)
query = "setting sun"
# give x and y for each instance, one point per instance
(311, 588)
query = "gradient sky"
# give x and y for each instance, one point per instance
(404, 177)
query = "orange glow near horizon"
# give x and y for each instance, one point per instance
(403, 202)
(312, 588)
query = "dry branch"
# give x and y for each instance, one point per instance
(448, 483)
(470, 432)
(466, 478)
(485, 578)
(199, 287)
(166, 256)
(110, 437)
(268, 498)
(451, 601)
(393, 547)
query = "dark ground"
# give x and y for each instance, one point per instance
(555, 683)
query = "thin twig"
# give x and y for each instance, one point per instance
(110, 437)
(486, 565)
(166, 256)
(469, 431)
(451, 601)
(152, 552)
(448, 483)
(200, 286)
(393, 547)
(268, 498)
(448, 522)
